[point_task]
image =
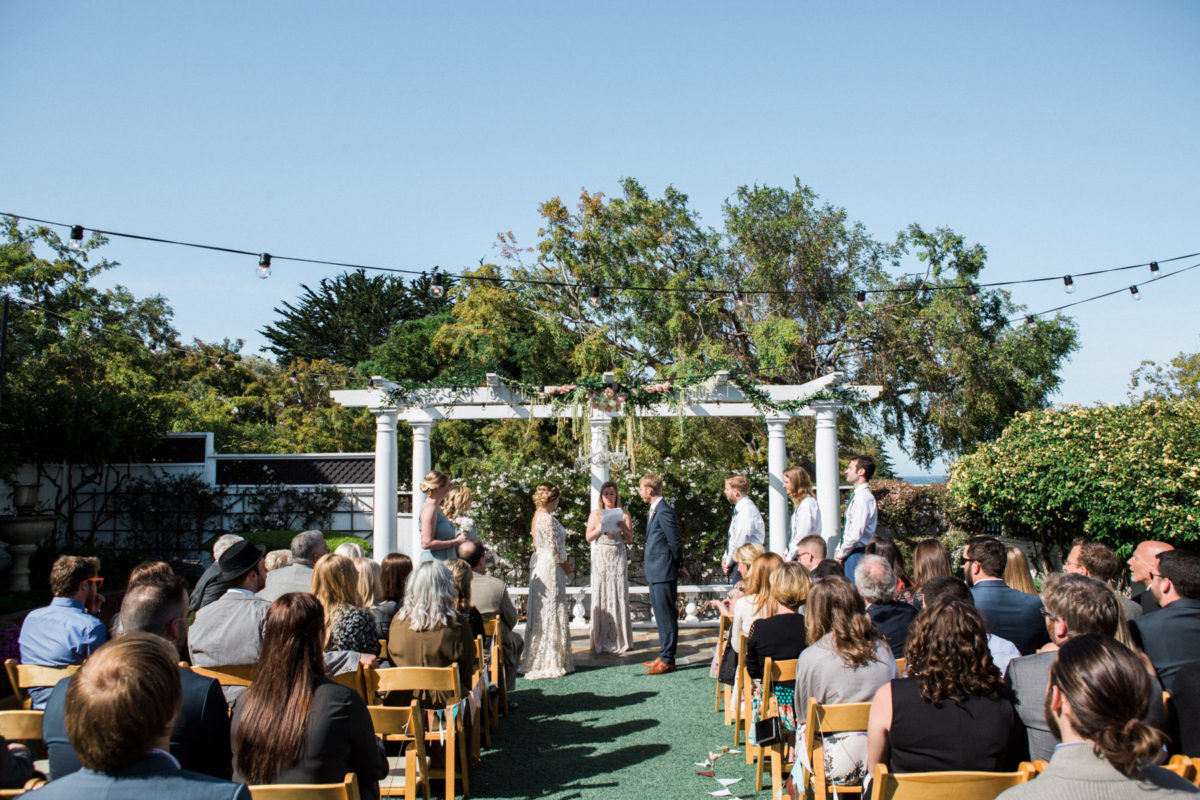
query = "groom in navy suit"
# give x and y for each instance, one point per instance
(664, 550)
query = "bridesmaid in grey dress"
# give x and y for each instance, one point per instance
(610, 530)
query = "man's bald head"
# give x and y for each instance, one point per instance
(1145, 559)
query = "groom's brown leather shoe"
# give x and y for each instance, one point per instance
(655, 662)
(661, 668)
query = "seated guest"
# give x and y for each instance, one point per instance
(1171, 635)
(1075, 606)
(348, 625)
(146, 571)
(755, 604)
(1016, 571)
(276, 559)
(460, 573)
(66, 631)
(349, 550)
(780, 637)
(210, 587)
(307, 548)
(120, 710)
(1096, 560)
(294, 725)
(810, 551)
(877, 583)
(1141, 564)
(846, 661)
(393, 577)
(929, 560)
(490, 596)
(1009, 613)
(887, 548)
(744, 557)
(950, 588)
(370, 592)
(1097, 697)
(827, 569)
(428, 632)
(200, 739)
(953, 712)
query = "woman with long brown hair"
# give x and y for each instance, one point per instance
(294, 725)
(806, 516)
(846, 661)
(757, 603)
(929, 560)
(348, 625)
(953, 711)
(1016, 571)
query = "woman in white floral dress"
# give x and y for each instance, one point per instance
(610, 530)
(548, 631)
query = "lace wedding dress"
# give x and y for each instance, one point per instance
(548, 631)
(612, 630)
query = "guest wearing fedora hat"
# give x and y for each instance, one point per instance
(229, 631)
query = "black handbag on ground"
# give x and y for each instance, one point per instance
(768, 731)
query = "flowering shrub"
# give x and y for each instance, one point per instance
(909, 512)
(1116, 474)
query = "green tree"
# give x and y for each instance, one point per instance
(1178, 380)
(344, 318)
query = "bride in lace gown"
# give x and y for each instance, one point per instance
(610, 530)
(548, 631)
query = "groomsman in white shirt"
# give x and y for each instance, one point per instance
(747, 524)
(861, 514)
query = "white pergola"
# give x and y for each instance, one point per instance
(497, 401)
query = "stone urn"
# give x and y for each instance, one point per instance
(22, 532)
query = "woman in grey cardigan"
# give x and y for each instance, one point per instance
(1095, 700)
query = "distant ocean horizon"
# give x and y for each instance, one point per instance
(923, 479)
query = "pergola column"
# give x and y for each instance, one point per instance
(601, 423)
(422, 462)
(777, 530)
(828, 499)
(384, 514)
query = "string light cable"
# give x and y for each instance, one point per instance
(1133, 290)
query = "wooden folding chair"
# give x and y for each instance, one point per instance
(722, 643)
(346, 790)
(740, 697)
(479, 692)
(383, 651)
(449, 728)
(21, 726)
(824, 719)
(27, 676)
(901, 663)
(499, 673)
(1184, 767)
(958, 785)
(30, 785)
(231, 675)
(411, 770)
(352, 680)
(783, 672)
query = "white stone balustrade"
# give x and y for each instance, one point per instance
(692, 594)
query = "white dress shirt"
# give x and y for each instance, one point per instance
(746, 526)
(806, 520)
(861, 517)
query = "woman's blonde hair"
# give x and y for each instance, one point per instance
(748, 553)
(335, 583)
(799, 483)
(758, 583)
(1016, 571)
(370, 587)
(544, 495)
(790, 584)
(456, 501)
(434, 480)
(460, 572)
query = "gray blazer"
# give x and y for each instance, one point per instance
(153, 776)
(1075, 772)
(490, 596)
(292, 578)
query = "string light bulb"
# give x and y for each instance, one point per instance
(77, 237)
(861, 299)
(1068, 284)
(739, 298)
(594, 298)
(973, 292)
(292, 376)
(437, 287)
(264, 265)
(1030, 321)
(1133, 291)
(1153, 269)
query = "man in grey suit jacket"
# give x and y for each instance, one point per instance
(307, 548)
(490, 597)
(139, 711)
(664, 552)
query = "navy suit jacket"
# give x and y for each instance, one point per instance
(1011, 614)
(664, 547)
(893, 619)
(1170, 637)
(153, 776)
(200, 743)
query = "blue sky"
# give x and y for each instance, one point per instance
(1061, 136)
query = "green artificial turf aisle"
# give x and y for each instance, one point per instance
(612, 732)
